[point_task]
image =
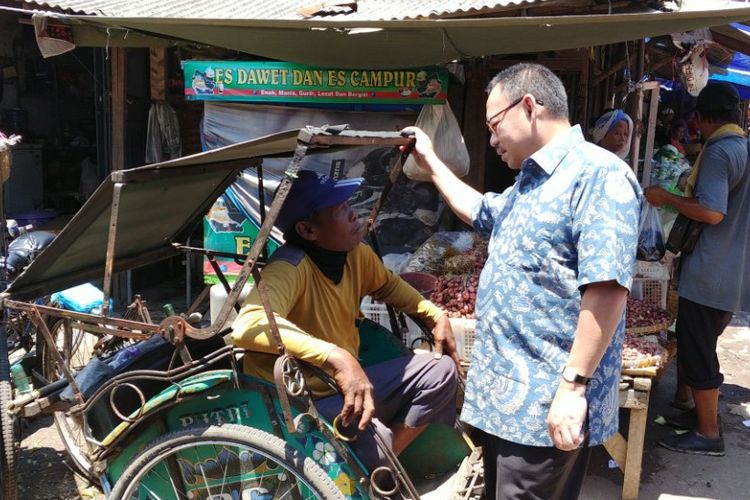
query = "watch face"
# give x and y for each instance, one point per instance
(569, 374)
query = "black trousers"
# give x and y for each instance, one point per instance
(698, 330)
(517, 471)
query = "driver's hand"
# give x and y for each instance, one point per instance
(356, 388)
(445, 343)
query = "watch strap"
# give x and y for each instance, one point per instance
(570, 375)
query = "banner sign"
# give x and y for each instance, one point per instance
(225, 229)
(289, 83)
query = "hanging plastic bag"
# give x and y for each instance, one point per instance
(650, 235)
(439, 123)
(694, 71)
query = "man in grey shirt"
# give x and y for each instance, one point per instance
(715, 275)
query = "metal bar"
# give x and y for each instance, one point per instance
(111, 241)
(151, 172)
(206, 252)
(67, 339)
(89, 328)
(219, 273)
(61, 364)
(262, 207)
(257, 246)
(171, 375)
(391, 139)
(83, 317)
(392, 179)
(273, 327)
(396, 170)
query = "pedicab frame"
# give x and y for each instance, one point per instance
(185, 188)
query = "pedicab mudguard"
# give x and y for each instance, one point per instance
(212, 398)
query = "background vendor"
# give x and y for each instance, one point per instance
(613, 131)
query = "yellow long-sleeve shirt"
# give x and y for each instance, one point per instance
(314, 314)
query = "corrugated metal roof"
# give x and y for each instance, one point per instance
(290, 9)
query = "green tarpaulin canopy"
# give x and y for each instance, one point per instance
(406, 43)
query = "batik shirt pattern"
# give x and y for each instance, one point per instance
(570, 219)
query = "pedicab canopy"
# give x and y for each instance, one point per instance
(159, 204)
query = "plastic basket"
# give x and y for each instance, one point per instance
(653, 291)
(378, 313)
(464, 331)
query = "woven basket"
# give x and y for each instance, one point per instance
(654, 371)
(649, 329)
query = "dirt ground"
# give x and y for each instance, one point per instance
(44, 475)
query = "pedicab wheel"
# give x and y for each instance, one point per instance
(228, 461)
(70, 428)
(8, 483)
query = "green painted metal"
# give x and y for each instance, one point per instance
(377, 344)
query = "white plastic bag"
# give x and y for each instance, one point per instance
(439, 123)
(694, 70)
(650, 236)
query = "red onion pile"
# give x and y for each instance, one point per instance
(640, 352)
(456, 294)
(642, 313)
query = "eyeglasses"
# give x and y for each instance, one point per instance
(492, 127)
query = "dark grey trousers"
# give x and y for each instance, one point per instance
(414, 390)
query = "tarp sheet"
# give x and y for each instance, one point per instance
(407, 43)
(738, 69)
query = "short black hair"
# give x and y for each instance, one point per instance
(719, 101)
(537, 80)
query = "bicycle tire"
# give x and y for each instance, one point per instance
(70, 430)
(143, 474)
(8, 482)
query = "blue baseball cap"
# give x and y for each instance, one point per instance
(311, 192)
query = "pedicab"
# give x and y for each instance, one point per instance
(163, 410)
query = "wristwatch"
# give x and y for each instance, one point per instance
(569, 374)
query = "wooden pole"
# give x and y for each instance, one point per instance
(158, 67)
(119, 109)
(118, 63)
(637, 115)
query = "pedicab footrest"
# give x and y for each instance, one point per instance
(190, 386)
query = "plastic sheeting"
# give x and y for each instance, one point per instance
(738, 69)
(163, 134)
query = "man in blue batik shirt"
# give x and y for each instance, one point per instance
(543, 383)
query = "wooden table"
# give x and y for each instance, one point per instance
(634, 395)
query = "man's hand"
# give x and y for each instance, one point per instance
(445, 343)
(423, 148)
(656, 195)
(356, 388)
(567, 415)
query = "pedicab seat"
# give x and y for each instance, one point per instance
(152, 354)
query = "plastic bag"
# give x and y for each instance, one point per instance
(693, 69)
(439, 123)
(650, 235)
(430, 256)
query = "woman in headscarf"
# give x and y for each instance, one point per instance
(612, 131)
